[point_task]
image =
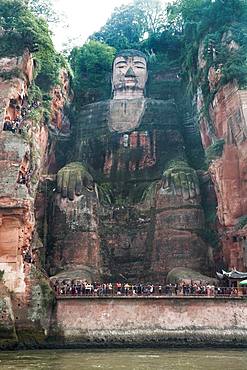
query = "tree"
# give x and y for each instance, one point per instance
(20, 30)
(91, 65)
(43, 8)
(123, 30)
(153, 15)
(130, 24)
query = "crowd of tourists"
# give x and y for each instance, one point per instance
(15, 125)
(79, 288)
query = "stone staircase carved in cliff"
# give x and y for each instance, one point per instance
(190, 129)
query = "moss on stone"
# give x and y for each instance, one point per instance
(150, 192)
(8, 344)
(42, 298)
(31, 337)
(8, 75)
(242, 222)
(215, 150)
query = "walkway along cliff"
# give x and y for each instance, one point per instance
(118, 190)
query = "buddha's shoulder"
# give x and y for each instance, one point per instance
(97, 106)
(160, 104)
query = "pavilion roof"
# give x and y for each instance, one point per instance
(233, 274)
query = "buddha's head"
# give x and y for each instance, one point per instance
(129, 75)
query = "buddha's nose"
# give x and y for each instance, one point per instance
(130, 73)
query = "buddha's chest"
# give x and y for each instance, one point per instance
(131, 151)
(125, 115)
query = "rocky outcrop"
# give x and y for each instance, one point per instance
(26, 296)
(15, 76)
(61, 96)
(224, 134)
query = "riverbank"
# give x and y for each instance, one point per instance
(134, 322)
(151, 321)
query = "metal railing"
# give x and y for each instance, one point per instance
(156, 291)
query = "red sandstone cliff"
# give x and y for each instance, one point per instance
(24, 157)
(227, 124)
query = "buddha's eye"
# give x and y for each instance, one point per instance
(139, 66)
(121, 65)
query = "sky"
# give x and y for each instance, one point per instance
(81, 18)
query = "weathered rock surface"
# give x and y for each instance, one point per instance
(113, 230)
(26, 297)
(228, 168)
(60, 97)
(75, 235)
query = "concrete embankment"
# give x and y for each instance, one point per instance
(150, 321)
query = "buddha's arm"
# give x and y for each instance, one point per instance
(177, 175)
(90, 126)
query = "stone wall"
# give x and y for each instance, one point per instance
(151, 321)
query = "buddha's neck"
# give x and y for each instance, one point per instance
(128, 94)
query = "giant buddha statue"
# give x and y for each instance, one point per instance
(128, 204)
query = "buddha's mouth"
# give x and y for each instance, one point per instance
(130, 81)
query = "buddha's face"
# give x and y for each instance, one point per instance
(129, 76)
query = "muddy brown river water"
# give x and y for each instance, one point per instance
(127, 359)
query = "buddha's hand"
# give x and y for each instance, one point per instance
(72, 179)
(180, 179)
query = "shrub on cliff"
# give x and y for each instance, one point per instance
(21, 29)
(218, 23)
(91, 65)
(242, 222)
(215, 150)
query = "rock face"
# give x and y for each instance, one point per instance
(137, 223)
(145, 243)
(225, 137)
(23, 157)
(60, 97)
(16, 202)
(74, 236)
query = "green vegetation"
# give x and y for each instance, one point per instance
(43, 8)
(91, 65)
(105, 193)
(1, 274)
(7, 75)
(221, 39)
(130, 24)
(21, 29)
(215, 150)
(242, 222)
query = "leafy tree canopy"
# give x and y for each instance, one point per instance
(43, 8)
(21, 29)
(217, 23)
(91, 65)
(130, 24)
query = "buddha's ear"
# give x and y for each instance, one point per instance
(145, 88)
(147, 76)
(112, 89)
